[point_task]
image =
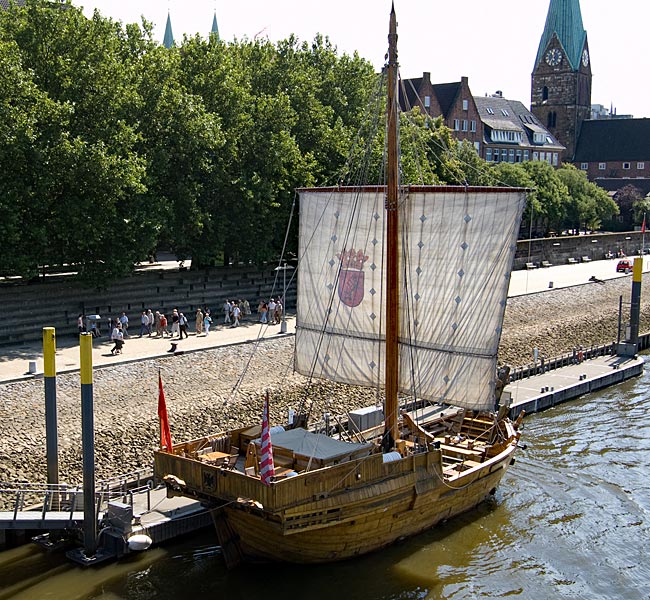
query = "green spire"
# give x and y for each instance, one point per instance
(565, 20)
(215, 27)
(168, 40)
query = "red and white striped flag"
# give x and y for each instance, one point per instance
(267, 469)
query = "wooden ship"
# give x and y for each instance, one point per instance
(401, 288)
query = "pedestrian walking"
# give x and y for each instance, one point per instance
(207, 321)
(144, 323)
(176, 330)
(227, 309)
(118, 339)
(236, 313)
(124, 320)
(199, 321)
(163, 325)
(182, 324)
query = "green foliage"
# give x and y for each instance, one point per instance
(112, 146)
(588, 204)
(641, 210)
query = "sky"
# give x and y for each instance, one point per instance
(493, 43)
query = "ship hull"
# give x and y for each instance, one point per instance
(354, 529)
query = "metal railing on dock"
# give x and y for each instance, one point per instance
(564, 360)
(33, 505)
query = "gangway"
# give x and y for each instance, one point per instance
(38, 506)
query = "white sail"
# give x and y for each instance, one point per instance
(457, 246)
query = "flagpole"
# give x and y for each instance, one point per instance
(160, 425)
(643, 236)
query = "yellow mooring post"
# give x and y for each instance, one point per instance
(51, 428)
(88, 443)
(635, 303)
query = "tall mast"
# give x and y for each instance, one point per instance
(392, 235)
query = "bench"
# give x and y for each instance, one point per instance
(572, 261)
(586, 259)
(531, 265)
(545, 263)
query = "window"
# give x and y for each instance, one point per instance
(489, 111)
(602, 166)
(542, 156)
(555, 159)
(465, 105)
(472, 127)
(504, 155)
(544, 93)
(488, 154)
(640, 166)
(504, 112)
(427, 102)
(584, 166)
(477, 147)
(518, 158)
(626, 166)
(526, 155)
(551, 119)
(456, 124)
(535, 155)
(464, 124)
(511, 155)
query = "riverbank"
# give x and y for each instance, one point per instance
(199, 386)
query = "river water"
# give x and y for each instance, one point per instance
(571, 519)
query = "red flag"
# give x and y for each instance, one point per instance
(643, 225)
(267, 469)
(165, 434)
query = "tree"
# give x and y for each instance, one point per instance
(626, 199)
(515, 175)
(588, 204)
(80, 191)
(552, 195)
(641, 210)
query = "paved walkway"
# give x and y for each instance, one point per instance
(14, 360)
(539, 280)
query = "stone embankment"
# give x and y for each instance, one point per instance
(200, 387)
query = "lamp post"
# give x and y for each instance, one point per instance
(283, 268)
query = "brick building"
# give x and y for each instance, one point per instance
(614, 149)
(453, 101)
(500, 130)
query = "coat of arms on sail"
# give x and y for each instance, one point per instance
(351, 277)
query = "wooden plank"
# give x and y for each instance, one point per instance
(460, 450)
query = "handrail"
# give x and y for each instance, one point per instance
(42, 497)
(563, 360)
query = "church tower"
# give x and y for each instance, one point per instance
(561, 78)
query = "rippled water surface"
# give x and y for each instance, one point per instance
(570, 520)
